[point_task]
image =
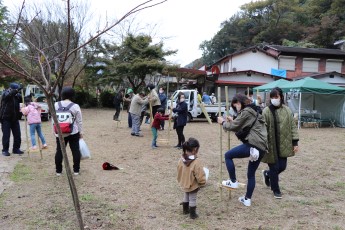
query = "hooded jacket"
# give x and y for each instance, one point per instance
(33, 112)
(257, 136)
(190, 174)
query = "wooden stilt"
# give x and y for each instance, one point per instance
(26, 127)
(227, 110)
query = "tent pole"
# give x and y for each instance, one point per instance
(299, 110)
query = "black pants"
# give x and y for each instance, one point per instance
(275, 170)
(73, 141)
(180, 136)
(6, 127)
(117, 112)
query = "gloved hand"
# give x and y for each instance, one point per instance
(254, 154)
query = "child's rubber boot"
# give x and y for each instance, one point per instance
(192, 213)
(185, 207)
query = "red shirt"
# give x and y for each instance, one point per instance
(157, 120)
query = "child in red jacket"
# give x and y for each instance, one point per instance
(159, 116)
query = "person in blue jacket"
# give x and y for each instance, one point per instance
(180, 120)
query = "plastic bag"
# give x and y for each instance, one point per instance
(207, 172)
(84, 150)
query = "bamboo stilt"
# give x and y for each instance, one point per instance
(26, 128)
(39, 146)
(220, 144)
(227, 110)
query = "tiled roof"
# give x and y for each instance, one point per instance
(311, 51)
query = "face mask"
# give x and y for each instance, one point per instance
(182, 100)
(275, 102)
(160, 91)
(238, 107)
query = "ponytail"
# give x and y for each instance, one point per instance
(190, 144)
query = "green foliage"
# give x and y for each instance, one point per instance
(85, 99)
(306, 23)
(106, 99)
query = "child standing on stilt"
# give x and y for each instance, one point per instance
(190, 175)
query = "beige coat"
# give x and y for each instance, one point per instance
(136, 104)
(190, 177)
(154, 98)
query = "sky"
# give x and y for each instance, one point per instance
(183, 24)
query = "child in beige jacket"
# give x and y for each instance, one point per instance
(190, 175)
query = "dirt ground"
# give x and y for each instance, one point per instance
(144, 194)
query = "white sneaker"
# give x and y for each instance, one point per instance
(76, 173)
(58, 174)
(244, 201)
(230, 184)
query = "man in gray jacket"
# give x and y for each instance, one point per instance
(135, 109)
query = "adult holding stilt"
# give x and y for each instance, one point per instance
(250, 128)
(153, 99)
(282, 139)
(180, 118)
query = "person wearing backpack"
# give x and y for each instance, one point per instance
(33, 113)
(71, 132)
(249, 126)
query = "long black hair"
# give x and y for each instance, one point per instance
(190, 145)
(277, 91)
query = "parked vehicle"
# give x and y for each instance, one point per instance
(39, 97)
(194, 110)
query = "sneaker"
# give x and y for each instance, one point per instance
(230, 184)
(76, 173)
(18, 151)
(133, 134)
(266, 178)
(138, 135)
(33, 148)
(277, 195)
(58, 174)
(45, 146)
(177, 146)
(6, 153)
(245, 201)
(153, 147)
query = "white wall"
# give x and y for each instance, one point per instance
(258, 61)
(244, 78)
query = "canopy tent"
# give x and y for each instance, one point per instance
(318, 98)
(267, 87)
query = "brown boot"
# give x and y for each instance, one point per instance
(185, 206)
(192, 213)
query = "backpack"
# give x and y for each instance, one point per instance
(65, 118)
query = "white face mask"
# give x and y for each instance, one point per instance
(275, 101)
(161, 91)
(238, 107)
(182, 100)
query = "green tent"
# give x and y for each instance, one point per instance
(319, 97)
(311, 85)
(267, 87)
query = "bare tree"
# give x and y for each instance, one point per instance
(36, 66)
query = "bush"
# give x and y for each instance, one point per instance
(106, 99)
(85, 99)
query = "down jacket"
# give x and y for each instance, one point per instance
(280, 143)
(258, 134)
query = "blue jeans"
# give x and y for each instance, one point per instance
(135, 123)
(275, 169)
(154, 137)
(36, 127)
(243, 151)
(8, 126)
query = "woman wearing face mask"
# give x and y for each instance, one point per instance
(181, 120)
(282, 139)
(254, 142)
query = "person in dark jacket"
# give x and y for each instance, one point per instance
(9, 117)
(163, 99)
(254, 141)
(180, 120)
(118, 99)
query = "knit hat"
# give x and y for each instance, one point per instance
(151, 86)
(14, 85)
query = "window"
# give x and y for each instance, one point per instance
(310, 65)
(226, 67)
(333, 65)
(287, 62)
